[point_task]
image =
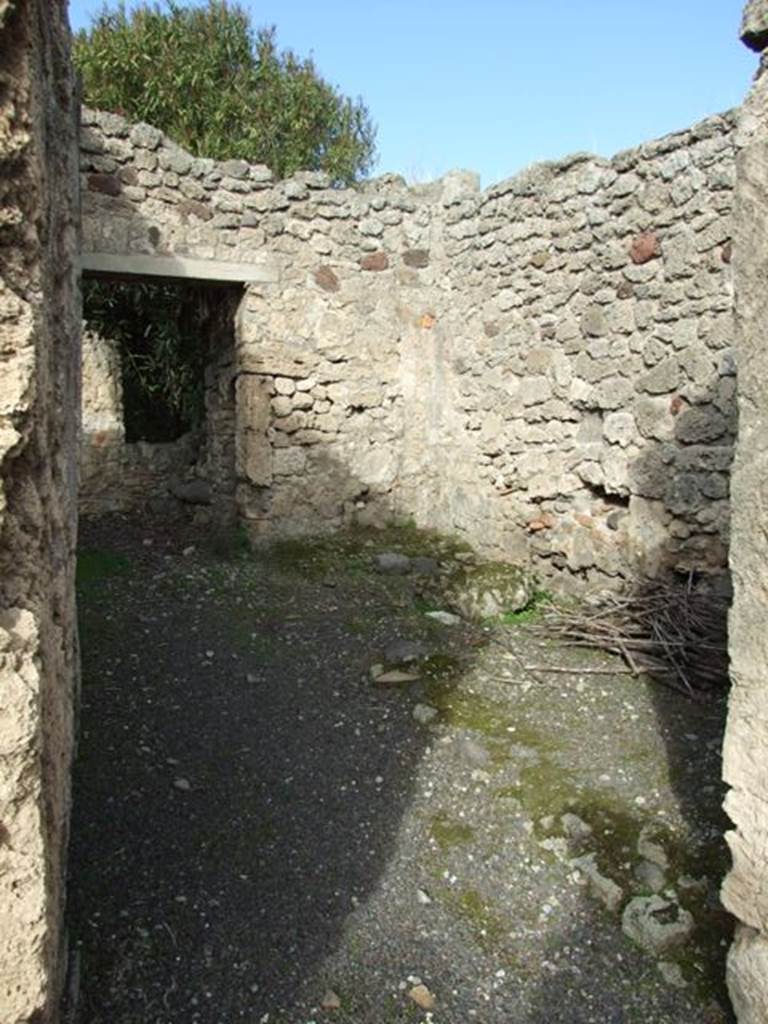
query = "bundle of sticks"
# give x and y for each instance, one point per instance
(673, 630)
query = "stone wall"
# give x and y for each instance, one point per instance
(39, 312)
(544, 367)
(745, 754)
(590, 342)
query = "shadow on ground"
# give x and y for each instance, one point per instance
(240, 781)
(256, 822)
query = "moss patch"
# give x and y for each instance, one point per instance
(488, 927)
(532, 611)
(353, 549)
(448, 833)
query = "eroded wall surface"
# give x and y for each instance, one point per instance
(544, 367)
(591, 357)
(745, 755)
(39, 337)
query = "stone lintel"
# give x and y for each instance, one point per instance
(176, 267)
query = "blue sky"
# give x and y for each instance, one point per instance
(494, 85)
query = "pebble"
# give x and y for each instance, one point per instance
(331, 1001)
(396, 676)
(602, 888)
(402, 651)
(424, 566)
(421, 995)
(574, 826)
(425, 713)
(656, 924)
(650, 875)
(649, 847)
(444, 618)
(392, 561)
(671, 973)
(182, 784)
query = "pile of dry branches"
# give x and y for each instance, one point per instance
(675, 631)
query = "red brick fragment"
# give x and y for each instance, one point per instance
(375, 261)
(644, 248)
(326, 279)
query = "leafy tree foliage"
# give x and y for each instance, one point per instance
(204, 76)
(160, 330)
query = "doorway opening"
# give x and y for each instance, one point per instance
(158, 396)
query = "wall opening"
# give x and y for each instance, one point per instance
(158, 395)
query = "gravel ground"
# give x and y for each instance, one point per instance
(260, 827)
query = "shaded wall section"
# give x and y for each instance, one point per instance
(39, 341)
(745, 755)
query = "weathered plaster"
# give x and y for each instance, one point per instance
(745, 754)
(39, 328)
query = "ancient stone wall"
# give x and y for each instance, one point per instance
(590, 344)
(39, 312)
(544, 367)
(745, 754)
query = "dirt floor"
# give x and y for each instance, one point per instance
(266, 830)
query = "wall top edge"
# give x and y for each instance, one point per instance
(454, 186)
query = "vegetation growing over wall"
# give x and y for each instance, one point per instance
(221, 89)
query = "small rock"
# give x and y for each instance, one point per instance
(650, 876)
(444, 618)
(251, 677)
(392, 561)
(331, 1001)
(182, 784)
(556, 845)
(688, 884)
(395, 677)
(656, 924)
(401, 652)
(190, 550)
(610, 894)
(644, 248)
(574, 826)
(425, 713)
(423, 897)
(489, 590)
(602, 888)
(421, 995)
(671, 973)
(649, 845)
(424, 566)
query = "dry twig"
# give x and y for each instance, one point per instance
(673, 631)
